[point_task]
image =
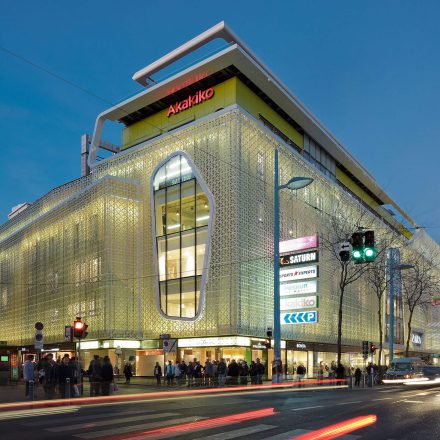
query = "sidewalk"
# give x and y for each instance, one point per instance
(15, 392)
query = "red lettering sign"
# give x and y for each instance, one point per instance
(200, 96)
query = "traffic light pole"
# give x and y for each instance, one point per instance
(276, 268)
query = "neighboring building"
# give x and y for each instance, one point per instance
(174, 233)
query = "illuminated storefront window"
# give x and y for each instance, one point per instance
(182, 212)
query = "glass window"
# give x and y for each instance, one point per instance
(160, 211)
(161, 254)
(173, 171)
(189, 297)
(186, 170)
(188, 205)
(182, 214)
(202, 208)
(173, 257)
(173, 209)
(188, 254)
(200, 252)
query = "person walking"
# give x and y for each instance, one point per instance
(127, 372)
(301, 372)
(48, 366)
(107, 376)
(158, 374)
(190, 374)
(29, 373)
(357, 377)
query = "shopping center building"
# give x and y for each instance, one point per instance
(172, 234)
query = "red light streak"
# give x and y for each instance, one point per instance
(339, 429)
(164, 394)
(199, 425)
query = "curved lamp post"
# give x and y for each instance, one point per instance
(293, 184)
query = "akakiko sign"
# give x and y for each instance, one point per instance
(299, 273)
(298, 288)
(299, 303)
(192, 100)
(299, 244)
(304, 257)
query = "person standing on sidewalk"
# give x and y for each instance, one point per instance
(221, 371)
(95, 376)
(170, 373)
(64, 372)
(28, 372)
(127, 372)
(158, 373)
(107, 376)
(357, 377)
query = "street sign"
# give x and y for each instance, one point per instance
(300, 317)
(302, 258)
(298, 288)
(299, 273)
(170, 345)
(346, 246)
(165, 336)
(68, 334)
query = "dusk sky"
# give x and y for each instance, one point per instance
(370, 71)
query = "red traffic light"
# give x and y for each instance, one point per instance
(79, 329)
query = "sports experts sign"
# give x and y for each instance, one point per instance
(299, 273)
(191, 101)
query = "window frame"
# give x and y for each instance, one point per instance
(199, 306)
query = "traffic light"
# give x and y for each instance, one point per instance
(369, 247)
(365, 349)
(267, 343)
(372, 348)
(79, 329)
(357, 241)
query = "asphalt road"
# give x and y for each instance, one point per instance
(402, 413)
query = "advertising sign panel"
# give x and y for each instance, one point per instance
(295, 259)
(305, 302)
(299, 244)
(298, 288)
(299, 273)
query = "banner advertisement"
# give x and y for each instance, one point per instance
(299, 303)
(299, 273)
(295, 259)
(298, 288)
(299, 244)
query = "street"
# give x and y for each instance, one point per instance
(402, 413)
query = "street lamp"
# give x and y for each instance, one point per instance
(293, 184)
(392, 268)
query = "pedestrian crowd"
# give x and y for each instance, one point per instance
(63, 378)
(210, 374)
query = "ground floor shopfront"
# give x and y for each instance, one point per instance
(143, 355)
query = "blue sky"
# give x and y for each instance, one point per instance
(370, 71)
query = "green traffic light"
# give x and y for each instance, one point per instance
(357, 255)
(369, 252)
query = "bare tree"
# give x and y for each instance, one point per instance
(376, 277)
(340, 229)
(419, 284)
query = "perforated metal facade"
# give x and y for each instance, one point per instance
(87, 247)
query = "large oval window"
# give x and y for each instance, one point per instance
(182, 218)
